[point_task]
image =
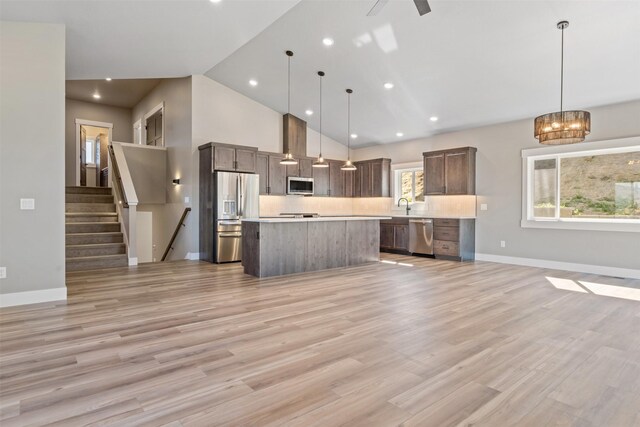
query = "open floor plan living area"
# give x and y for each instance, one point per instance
(320, 213)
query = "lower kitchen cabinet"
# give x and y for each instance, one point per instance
(394, 235)
(454, 238)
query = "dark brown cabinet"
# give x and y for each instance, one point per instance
(262, 169)
(450, 172)
(273, 175)
(373, 178)
(394, 235)
(233, 158)
(454, 238)
(336, 179)
(277, 176)
(303, 169)
(321, 181)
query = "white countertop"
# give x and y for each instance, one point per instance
(319, 219)
(434, 216)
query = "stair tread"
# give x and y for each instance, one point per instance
(90, 223)
(87, 245)
(91, 213)
(97, 257)
(101, 233)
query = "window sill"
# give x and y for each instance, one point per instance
(623, 225)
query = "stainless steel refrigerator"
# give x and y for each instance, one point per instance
(237, 197)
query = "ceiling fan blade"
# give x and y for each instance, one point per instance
(423, 6)
(377, 7)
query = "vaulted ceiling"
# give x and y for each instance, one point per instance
(469, 63)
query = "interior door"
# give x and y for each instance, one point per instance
(83, 156)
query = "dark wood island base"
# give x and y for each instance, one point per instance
(275, 247)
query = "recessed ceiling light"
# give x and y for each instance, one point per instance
(433, 118)
(327, 41)
(215, 1)
(399, 134)
(253, 82)
(388, 85)
(308, 112)
(354, 135)
(96, 96)
(108, 79)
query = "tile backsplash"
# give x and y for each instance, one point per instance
(454, 206)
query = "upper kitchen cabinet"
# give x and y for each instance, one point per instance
(373, 178)
(303, 169)
(234, 158)
(273, 175)
(450, 172)
(336, 178)
(321, 181)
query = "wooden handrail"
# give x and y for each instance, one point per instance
(117, 176)
(175, 233)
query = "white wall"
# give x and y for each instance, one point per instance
(499, 180)
(32, 108)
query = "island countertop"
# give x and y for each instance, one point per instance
(316, 219)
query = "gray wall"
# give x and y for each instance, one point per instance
(499, 184)
(176, 95)
(122, 128)
(148, 168)
(32, 78)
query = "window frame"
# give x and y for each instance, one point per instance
(397, 191)
(529, 156)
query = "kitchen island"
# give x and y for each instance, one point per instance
(279, 246)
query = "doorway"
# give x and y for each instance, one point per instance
(92, 145)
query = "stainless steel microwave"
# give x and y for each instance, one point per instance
(300, 186)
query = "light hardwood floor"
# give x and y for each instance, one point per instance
(409, 341)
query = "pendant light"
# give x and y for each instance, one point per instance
(348, 166)
(288, 157)
(562, 127)
(320, 162)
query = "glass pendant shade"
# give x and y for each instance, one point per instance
(288, 160)
(562, 127)
(348, 166)
(320, 162)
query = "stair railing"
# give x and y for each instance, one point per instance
(175, 233)
(127, 199)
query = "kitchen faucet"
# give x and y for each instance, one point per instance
(406, 200)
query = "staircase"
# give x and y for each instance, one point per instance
(93, 236)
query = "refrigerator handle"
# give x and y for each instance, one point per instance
(239, 196)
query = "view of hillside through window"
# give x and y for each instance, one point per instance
(412, 185)
(599, 186)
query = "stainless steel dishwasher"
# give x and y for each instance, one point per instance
(421, 236)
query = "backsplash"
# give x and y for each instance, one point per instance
(275, 205)
(454, 206)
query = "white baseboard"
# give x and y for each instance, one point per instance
(133, 261)
(558, 265)
(33, 297)
(193, 256)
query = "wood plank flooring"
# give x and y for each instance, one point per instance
(408, 341)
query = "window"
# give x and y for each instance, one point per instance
(572, 186)
(89, 144)
(409, 183)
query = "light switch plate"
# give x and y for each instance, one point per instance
(3, 272)
(483, 206)
(503, 244)
(27, 204)
(186, 199)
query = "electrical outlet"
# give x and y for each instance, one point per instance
(27, 204)
(3, 272)
(503, 244)
(483, 206)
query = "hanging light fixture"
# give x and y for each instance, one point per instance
(348, 166)
(562, 127)
(288, 157)
(320, 162)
